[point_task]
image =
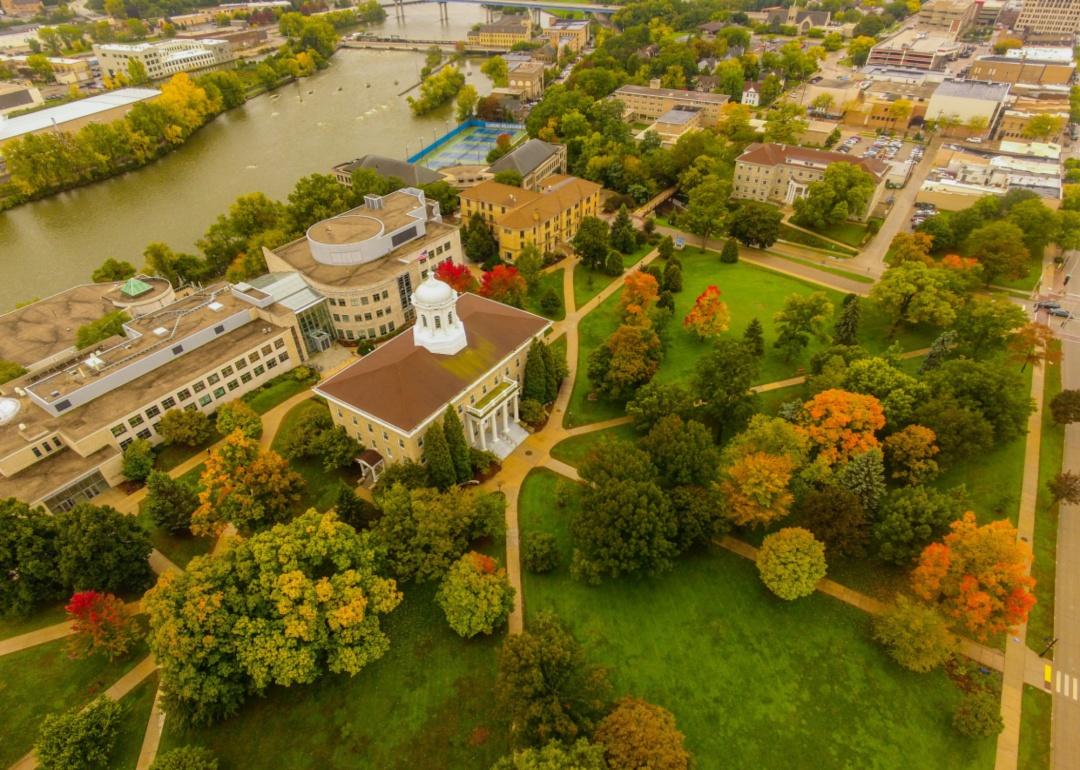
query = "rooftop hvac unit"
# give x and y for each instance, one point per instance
(215, 306)
(161, 331)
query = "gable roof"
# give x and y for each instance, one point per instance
(768, 154)
(412, 174)
(526, 158)
(403, 384)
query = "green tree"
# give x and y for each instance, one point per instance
(864, 476)
(112, 270)
(529, 264)
(999, 247)
(755, 224)
(540, 552)
(535, 386)
(1040, 224)
(837, 518)
(978, 715)
(913, 517)
(993, 389)
(706, 212)
(592, 242)
(231, 234)
(754, 338)
(100, 549)
(313, 582)
(802, 317)
(437, 90)
(466, 102)
(900, 394)
(475, 595)
(682, 452)
(843, 192)
(722, 380)
(186, 758)
(9, 370)
(627, 360)
(456, 444)
(915, 635)
(846, 329)
(546, 685)
(791, 562)
(480, 245)
(655, 400)
(237, 415)
(80, 739)
(785, 123)
(580, 755)
(138, 460)
(623, 236)
(316, 197)
(185, 426)
(497, 70)
(109, 325)
(913, 293)
(729, 255)
(27, 549)
(440, 462)
(1065, 407)
(509, 176)
(170, 502)
(1064, 487)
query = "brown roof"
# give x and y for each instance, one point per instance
(45, 478)
(499, 194)
(48, 326)
(403, 384)
(779, 154)
(558, 194)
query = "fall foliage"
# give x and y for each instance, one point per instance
(640, 292)
(756, 488)
(504, 284)
(709, 316)
(458, 276)
(911, 454)
(637, 734)
(842, 424)
(100, 623)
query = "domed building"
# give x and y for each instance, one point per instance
(465, 351)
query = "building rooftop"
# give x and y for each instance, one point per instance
(83, 108)
(971, 89)
(412, 174)
(677, 116)
(47, 327)
(14, 95)
(507, 23)
(890, 90)
(289, 290)
(674, 93)
(568, 24)
(526, 158)
(404, 384)
(1058, 55)
(43, 478)
(918, 41)
(499, 194)
(777, 154)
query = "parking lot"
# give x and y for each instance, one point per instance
(881, 147)
(921, 213)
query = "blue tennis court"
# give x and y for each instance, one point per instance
(468, 144)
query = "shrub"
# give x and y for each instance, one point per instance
(550, 302)
(186, 758)
(79, 739)
(482, 461)
(138, 460)
(531, 411)
(541, 553)
(475, 595)
(978, 715)
(730, 254)
(185, 426)
(791, 562)
(170, 502)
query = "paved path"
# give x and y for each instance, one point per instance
(45, 635)
(152, 737)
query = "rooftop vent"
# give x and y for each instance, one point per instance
(95, 362)
(215, 306)
(373, 202)
(161, 331)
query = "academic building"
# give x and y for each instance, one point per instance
(546, 217)
(650, 102)
(503, 32)
(1049, 17)
(164, 59)
(464, 351)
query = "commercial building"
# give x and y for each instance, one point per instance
(22, 7)
(778, 173)
(962, 175)
(66, 70)
(366, 262)
(65, 423)
(72, 116)
(503, 32)
(164, 59)
(914, 49)
(650, 102)
(988, 12)
(1030, 66)
(535, 160)
(527, 78)
(238, 39)
(465, 352)
(1049, 17)
(965, 107)
(571, 34)
(18, 96)
(411, 174)
(952, 17)
(547, 218)
(1016, 125)
(890, 105)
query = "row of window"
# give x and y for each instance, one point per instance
(47, 446)
(354, 301)
(358, 317)
(371, 334)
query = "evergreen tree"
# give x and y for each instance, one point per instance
(730, 254)
(170, 501)
(535, 387)
(613, 265)
(941, 350)
(673, 277)
(846, 330)
(458, 446)
(623, 237)
(754, 338)
(440, 464)
(553, 371)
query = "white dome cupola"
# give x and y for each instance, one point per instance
(437, 326)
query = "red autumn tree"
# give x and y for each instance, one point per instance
(459, 277)
(709, 317)
(978, 576)
(842, 424)
(100, 623)
(504, 284)
(640, 292)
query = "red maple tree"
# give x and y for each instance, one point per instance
(504, 284)
(459, 277)
(709, 317)
(100, 623)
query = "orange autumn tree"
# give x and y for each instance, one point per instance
(842, 424)
(978, 576)
(756, 488)
(709, 317)
(458, 276)
(640, 292)
(1033, 343)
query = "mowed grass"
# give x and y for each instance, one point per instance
(167, 457)
(1040, 628)
(1035, 725)
(851, 233)
(588, 283)
(276, 391)
(753, 681)
(553, 281)
(574, 449)
(43, 680)
(137, 706)
(428, 704)
(16, 625)
(320, 486)
(750, 292)
(180, 548)
(803, 238)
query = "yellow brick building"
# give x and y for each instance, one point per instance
(504, 32)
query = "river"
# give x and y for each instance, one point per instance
(265, 145)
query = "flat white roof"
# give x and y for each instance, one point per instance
(1042, 53)
(65, 113)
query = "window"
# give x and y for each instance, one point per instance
(155, 426)
(385, 436)
(254, 357)
(367, 316)
(177, 350)
(205, 400)
(266, 350)
(144, 434)
(228, 370)
(213, 379)
(153, 412)
(136, 421)
(354, 420)
(245, 377)
(259, 370)
(126, 443)
(240, 363)
(190, 407)
(382, 329)
(386, 294)
(168, 403)
(390, 326)
(363, 300)
(283, 357)
(401, 443)
(352, 301)
(348, 335)
(199, 386)
(279, 343)
(184, 394)
(36, 451)
(119, 430)
(219, 392)
(438, 322)
(234, 384)
(271, 363)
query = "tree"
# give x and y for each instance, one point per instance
(170, 502)
(534, 386)
(529, 263)
(978, 576)
(436, 90)
(837, 518)
(580, 755)
(911, 247)
(859, 49)
(844, 191)
(112, 270)
(459, 277)
(509, 176)
(978, 715)
(999, 247)
(666, 248)
(504, 284)
(627, 359)
(478, 241)
(756, 488)
(709, 317)
(109, 325)
(654, 401)
(754, 338)
(772, 435)
(639, 293)
(705, 213)
(466, 102)
(864, 476)
(456, 444)
(998, 393)
(803, 316)
(722, 380)
(846, 329)
(496, 69)
(28, 554)
(282, 607)
(80, 739)
(238, 416)
(546, 686)
(231, 234)
(475, 595)
(961, 429)
(440, 463)
(984, 325)
(915, 635)
(755, 224)
(913, 293)
(1064, 487)
(591, 242)
(317, 197)
(244, 486)
(540, 552)
(791, 562)
(99, 623)
(623, 236)
(99, 548)
(910, 452)
(1065, 407)
(785, 123)
(637, 734)
(682, 452)
(1033, 344)
(899, 392)
(9, 370)
(185, 426)
(186, 758)
(729, 255)
(337, 448)
(425, 531)
(841, 424)
(1044, 127)
(138, 460)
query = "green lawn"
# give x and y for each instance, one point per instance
(179, 548)
(826, 268)
(276, 391)
(1027, 283)
(167, 457)
(573, 450)
(428, 704)
(1041, 620)
(588, 283)
(749, 291)
(554, 281)
(803, 238)
(43, 680)
(321, 487)
(851, 233)
(137, 706)
(753, 681)
(1035, 729)
(39, 618)
(193, 476)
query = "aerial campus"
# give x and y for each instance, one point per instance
(552, 385)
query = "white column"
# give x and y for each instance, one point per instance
(483, 438)
(506, 416)
(516, 417)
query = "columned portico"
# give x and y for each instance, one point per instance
(492, 422)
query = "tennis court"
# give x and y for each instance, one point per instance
(468, 144)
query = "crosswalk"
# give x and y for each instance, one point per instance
(1065, 685)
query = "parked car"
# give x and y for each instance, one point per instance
(1060, 312)
(1047, 304)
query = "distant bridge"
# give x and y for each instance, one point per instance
(533, 5)
(410, 44)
